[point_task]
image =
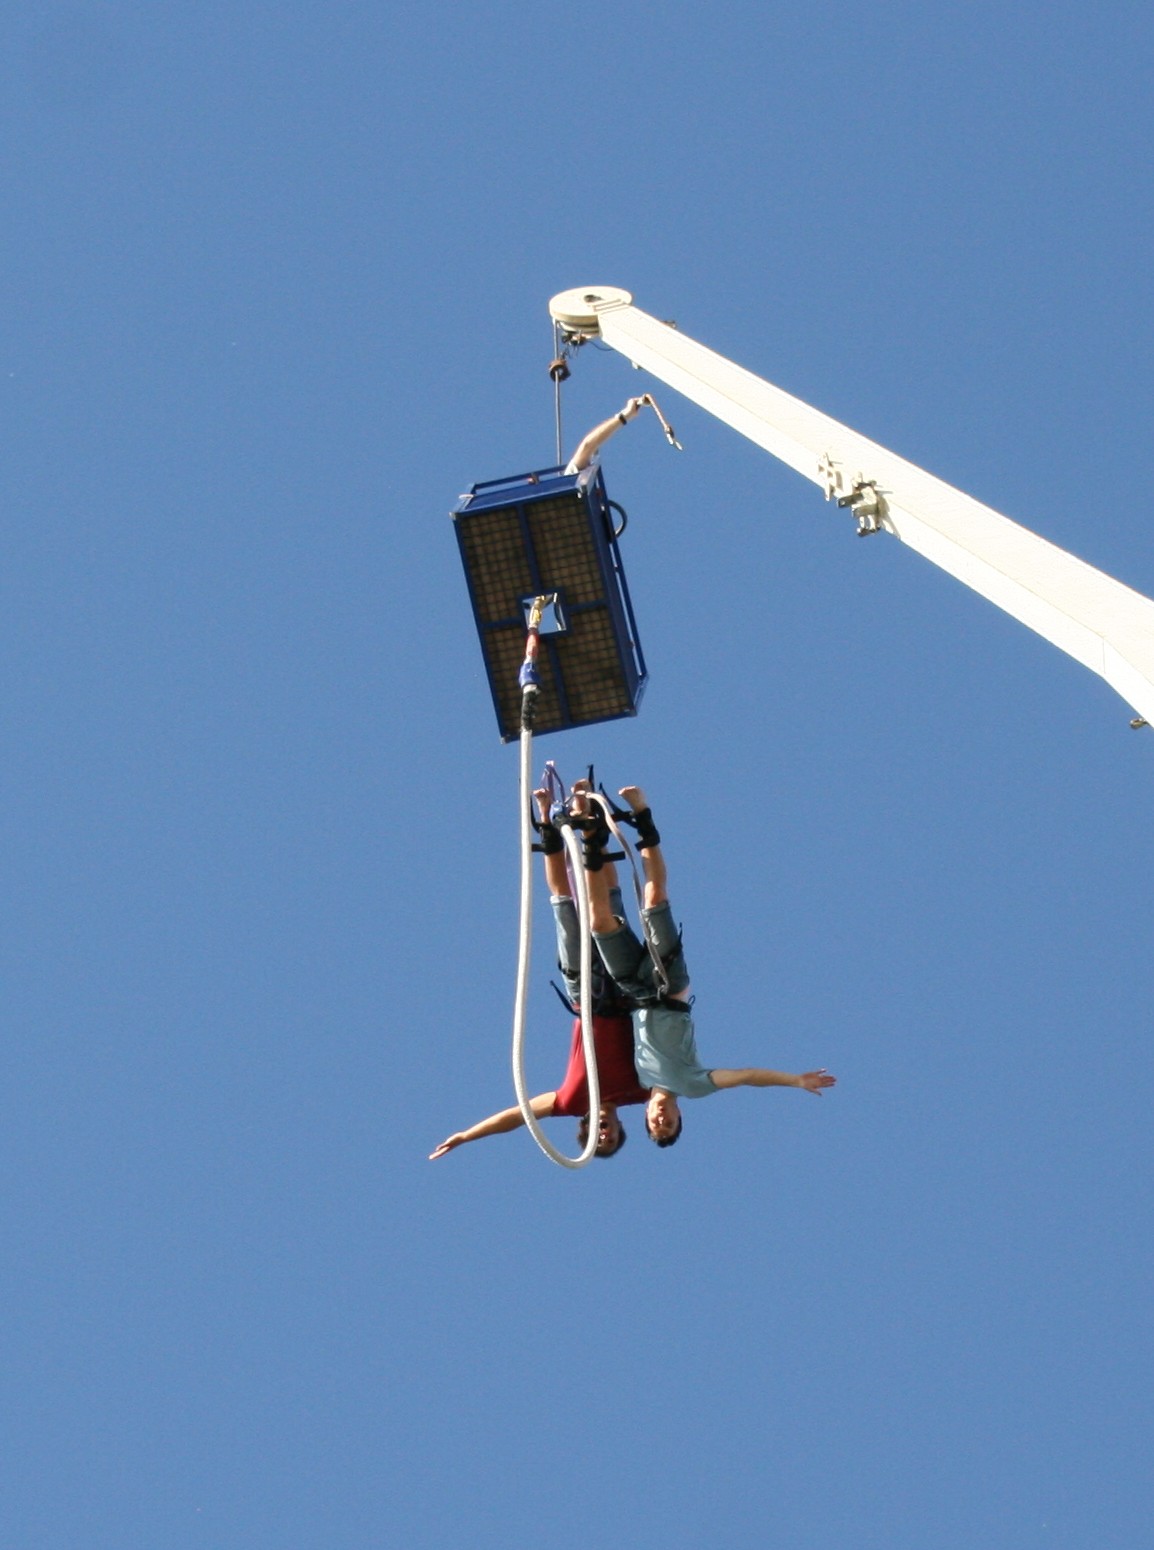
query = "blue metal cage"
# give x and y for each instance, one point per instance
(550, 534)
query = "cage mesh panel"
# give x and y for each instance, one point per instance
(588, 653)
(592, 668)
(504, 653)
(566, 555)
(497, 563)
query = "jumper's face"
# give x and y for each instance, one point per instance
(608, 1132)
(662, 1116)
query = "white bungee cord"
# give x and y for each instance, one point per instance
(581, 891)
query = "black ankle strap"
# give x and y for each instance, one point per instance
(647, 835)
(551, 842)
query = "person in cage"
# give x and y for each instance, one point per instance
(589, 448)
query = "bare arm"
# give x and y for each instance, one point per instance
(600, 434)
(497, 1124)
(755, 1076)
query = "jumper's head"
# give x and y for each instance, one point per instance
(662, 1118)
(610, 1132)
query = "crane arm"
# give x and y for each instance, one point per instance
(1099, 621)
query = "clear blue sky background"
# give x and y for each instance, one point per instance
(276, 280)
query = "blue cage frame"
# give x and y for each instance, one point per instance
(550, 534)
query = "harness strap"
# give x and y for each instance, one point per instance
(564, 999)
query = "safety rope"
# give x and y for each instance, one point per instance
(530, 688)
(559, 371)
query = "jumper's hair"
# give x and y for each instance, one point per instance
(665, 1140)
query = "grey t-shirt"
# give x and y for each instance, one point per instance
(665, 1052)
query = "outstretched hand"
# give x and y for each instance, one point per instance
(449, 1145)
(814, 1081)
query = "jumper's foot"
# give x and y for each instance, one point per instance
(640, 817)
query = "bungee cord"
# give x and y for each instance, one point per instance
(530, 687)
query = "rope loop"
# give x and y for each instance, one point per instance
(525, 942)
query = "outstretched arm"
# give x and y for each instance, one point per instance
(600, 434)
(497, 1124)
(755, 1076)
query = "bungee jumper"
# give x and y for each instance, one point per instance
(651, 972)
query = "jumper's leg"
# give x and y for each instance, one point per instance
(649, 844)
(600, 879)
(556, 872)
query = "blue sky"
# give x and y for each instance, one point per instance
(277, 289)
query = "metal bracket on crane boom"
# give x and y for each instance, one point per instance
(863, 497)
(868, 505)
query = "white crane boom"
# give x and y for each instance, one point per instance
(1102, 623)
